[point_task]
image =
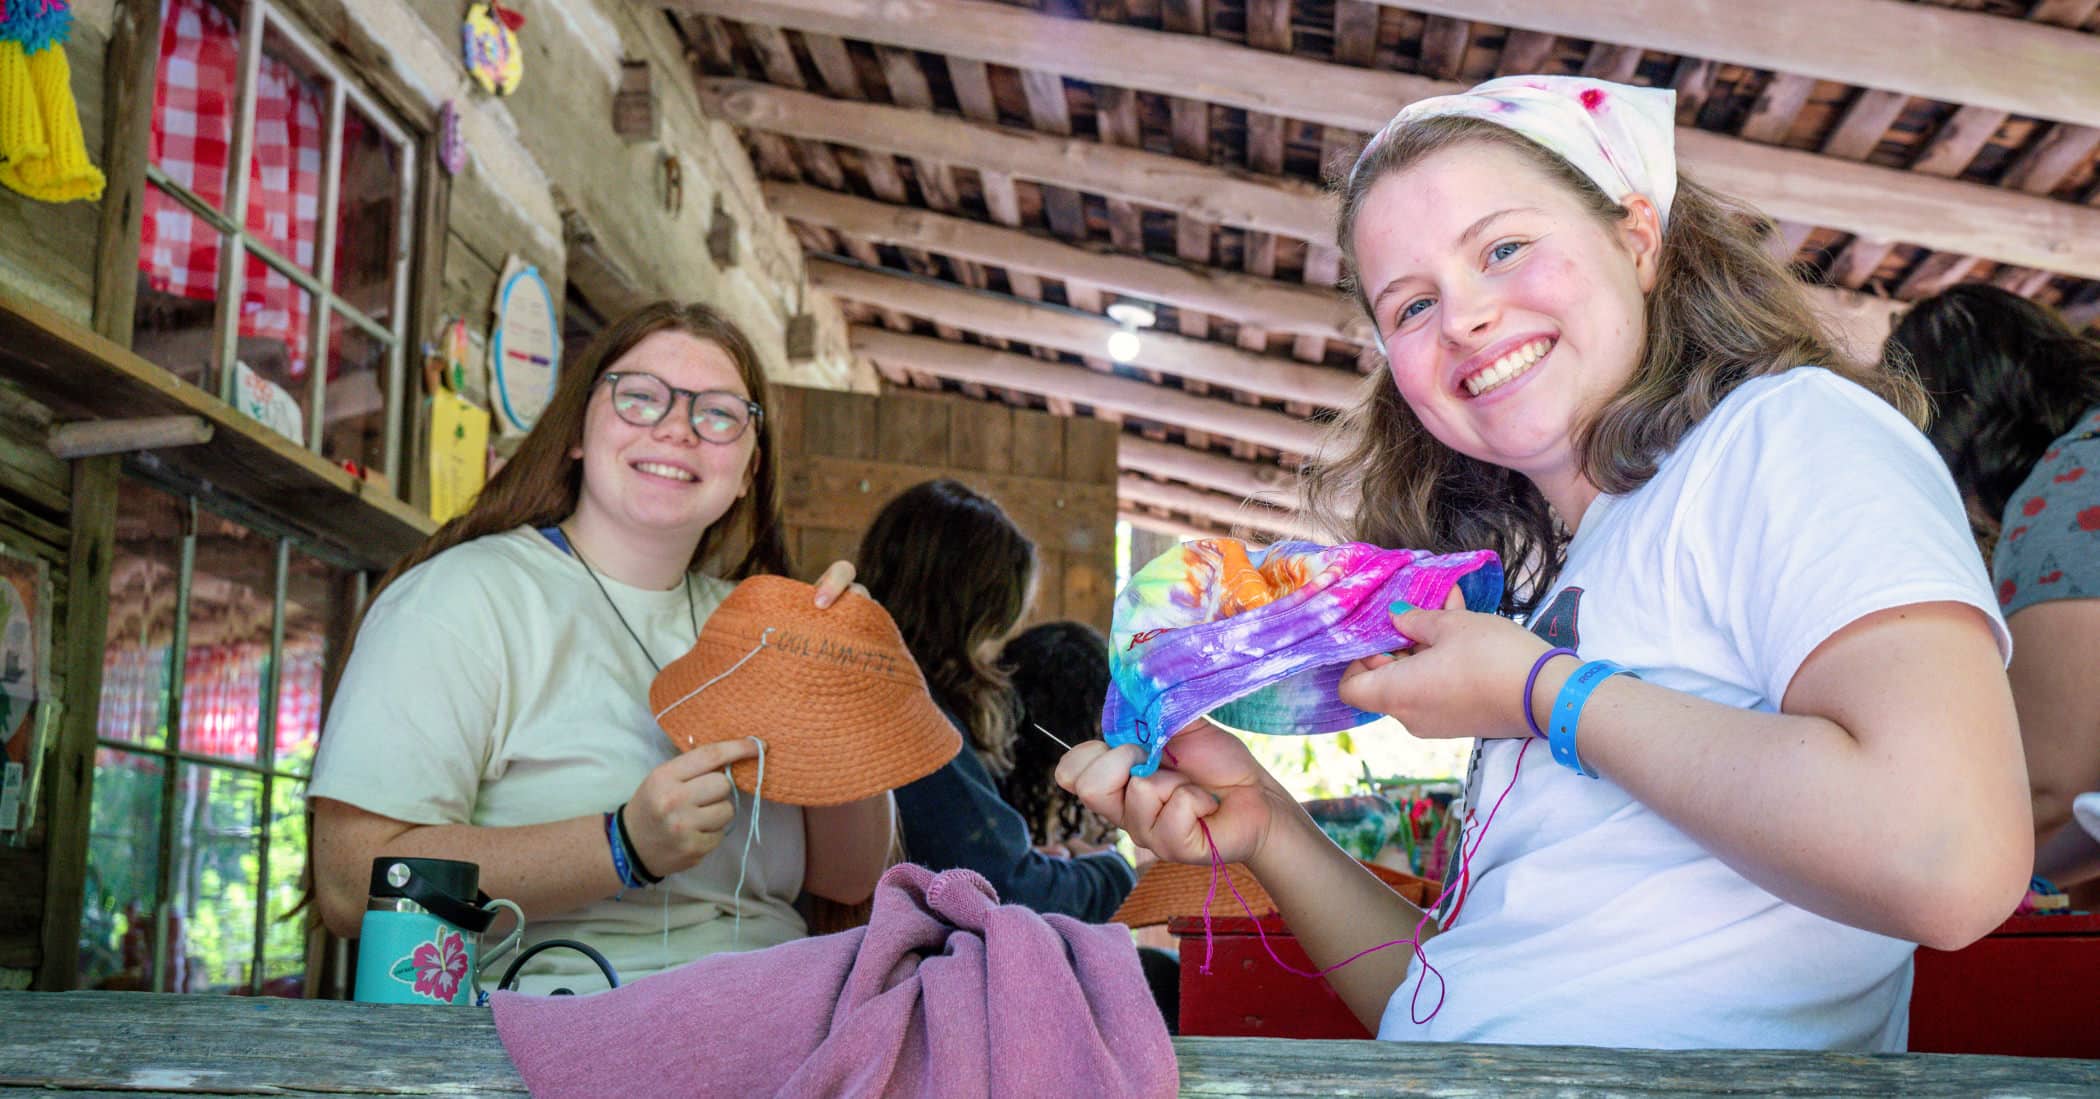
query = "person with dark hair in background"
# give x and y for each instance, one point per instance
(2018, 395)
(1060, 675)
(957, 575)
(1060, 678)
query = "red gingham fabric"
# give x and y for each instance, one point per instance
(193, 115)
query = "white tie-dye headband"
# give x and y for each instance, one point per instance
(1622, 137)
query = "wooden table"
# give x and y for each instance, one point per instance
(139, 1044)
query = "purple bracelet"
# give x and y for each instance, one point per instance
(1531, 681)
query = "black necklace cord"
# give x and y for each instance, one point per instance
(692, 614)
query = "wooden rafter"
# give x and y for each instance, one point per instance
(1217, 507)
(1084, 334)
(1942, 53)
(1266, 303)
(1884, 203)
(1122, 396)
(1286, 206)
(1267, 484)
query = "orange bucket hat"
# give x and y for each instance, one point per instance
(1170, 889)
(834, 694)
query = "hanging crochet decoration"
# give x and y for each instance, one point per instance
(490, 42)
(1259, 637)
(42, 153)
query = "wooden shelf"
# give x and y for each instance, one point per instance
(81, 375)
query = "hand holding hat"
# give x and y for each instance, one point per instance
(833, 692)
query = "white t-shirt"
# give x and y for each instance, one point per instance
(1800, 505)
(493, 685)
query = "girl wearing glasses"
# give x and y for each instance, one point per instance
(494, 708)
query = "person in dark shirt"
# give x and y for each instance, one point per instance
(956, 574)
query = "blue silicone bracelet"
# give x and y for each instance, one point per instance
(1567, 711)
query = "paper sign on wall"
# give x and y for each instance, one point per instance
(459, 448)
(524, 348)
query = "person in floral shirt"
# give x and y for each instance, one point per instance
(2019, 424)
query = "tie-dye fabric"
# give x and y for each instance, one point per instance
(1623, 137)
(1259, 637)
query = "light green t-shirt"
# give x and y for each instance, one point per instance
(494, 685)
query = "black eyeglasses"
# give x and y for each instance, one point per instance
(718, 415)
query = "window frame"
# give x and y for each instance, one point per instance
(236, 242)
(171, 755)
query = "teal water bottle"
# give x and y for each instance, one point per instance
(420, 942)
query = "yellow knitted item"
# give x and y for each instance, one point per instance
(52, 165)
(21, 128)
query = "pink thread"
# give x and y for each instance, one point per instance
(1465, 876)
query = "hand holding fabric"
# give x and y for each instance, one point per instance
(1464, 677)
(1211, 780)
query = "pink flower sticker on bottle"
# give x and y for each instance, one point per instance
(435, 968)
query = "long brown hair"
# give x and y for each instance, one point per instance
(540, 484)
(955, 573)
(2007, 376)
(1723, 311)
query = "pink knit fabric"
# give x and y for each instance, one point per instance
(945, 993)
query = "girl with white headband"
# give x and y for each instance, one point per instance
(1596, 369)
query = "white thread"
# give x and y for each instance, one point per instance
(688, 696)
(758, 804)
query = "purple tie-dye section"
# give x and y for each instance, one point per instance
(1273, 668)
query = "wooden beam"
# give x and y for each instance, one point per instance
(1264, 483)
(1291, 207)
(962, 142)
(70, 782)
(1867, 199)
(1268, 303)
(131, 62)
(1923, 49)
(1106, 392)
(1228, 510)
(89, 438)
(1176, 528)
(1083, 334)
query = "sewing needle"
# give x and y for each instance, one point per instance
(1052, 736)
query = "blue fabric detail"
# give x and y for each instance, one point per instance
(560, 540)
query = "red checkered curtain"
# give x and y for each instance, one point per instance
(193, 112)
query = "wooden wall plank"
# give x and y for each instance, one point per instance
(839, 425)
(826, 492)
(1090, 451)
(908, 424)
(981, 436)
(1090, 589)
(1039, 445)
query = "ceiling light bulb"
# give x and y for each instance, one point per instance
(1132, 314)
(1123, 345)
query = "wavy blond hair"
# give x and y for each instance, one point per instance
(1723, 311)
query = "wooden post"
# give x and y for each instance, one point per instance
(70, 782)
(128, 77)
(89, 438)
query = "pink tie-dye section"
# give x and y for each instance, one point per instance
(1186, 643)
